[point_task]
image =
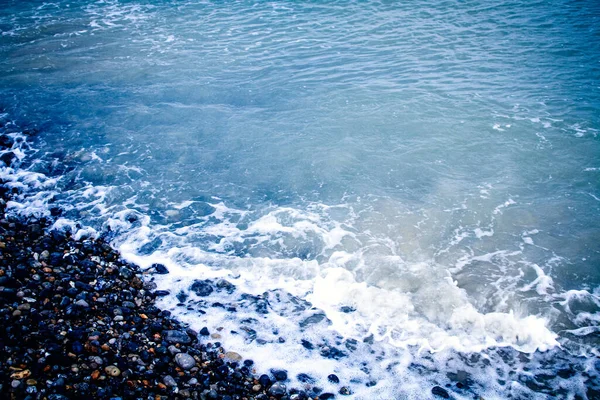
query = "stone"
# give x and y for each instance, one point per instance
(441, 392)
(333, 378)
(345, 391)
(278, 389)
(185, 361)
(112, 370)
(169, 381)
(279, 374)
(160, 269)
(264, 380)
(232, 355)
(173, 336)
(82, 303)
(202, 288)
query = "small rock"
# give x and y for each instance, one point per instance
(333, 378)
(232, 355)
(169, 381)
(173, 350)
(345, 391)
(441, 392)
(204, 331)
(185, 361)
(112, 370)
(160, 269)
(256, 388)
(264, 380)
(21, 374)
(202, 288)
(278, 389)
(180, 337)
(82, 303)
(280, 375)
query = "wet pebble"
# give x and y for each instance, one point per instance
(185, 361)
(441, 392)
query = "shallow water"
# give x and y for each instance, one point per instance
(425, 174)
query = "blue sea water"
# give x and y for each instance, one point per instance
(422, 176)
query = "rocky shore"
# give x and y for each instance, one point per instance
(79, 322)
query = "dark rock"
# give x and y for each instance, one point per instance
(279, 374)
(264, 380)
(307, 345)
(441, 392)
(305, 378)
(204, 331)
(8, 158)
(333, 378)
(313, 319)
(202, 288)
(160, 269)
(278, 389)
(172, 336)
(345, 391)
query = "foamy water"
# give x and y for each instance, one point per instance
(399, 193)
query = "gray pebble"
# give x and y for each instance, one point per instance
(277, 389)
(82, 303)
(169, 381)
(185, 361)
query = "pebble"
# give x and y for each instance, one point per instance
(173, 350)
(278, 389)
(169, 381)
(232, 355)
(333, 378)
(185, 361)
(345, 391)
(82, 303)
(441, 392)
(280, 375)
(173, 336)
(112, 370)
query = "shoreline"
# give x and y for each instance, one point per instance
(82, 323)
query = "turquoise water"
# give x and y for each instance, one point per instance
(434, 166)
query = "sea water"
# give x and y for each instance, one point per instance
(405, 194)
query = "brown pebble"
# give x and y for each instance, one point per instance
(47, 270)
(232, 355)
(21, 374)
(95, 374)
(112, 370)
(16, 313)
(31, 382)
